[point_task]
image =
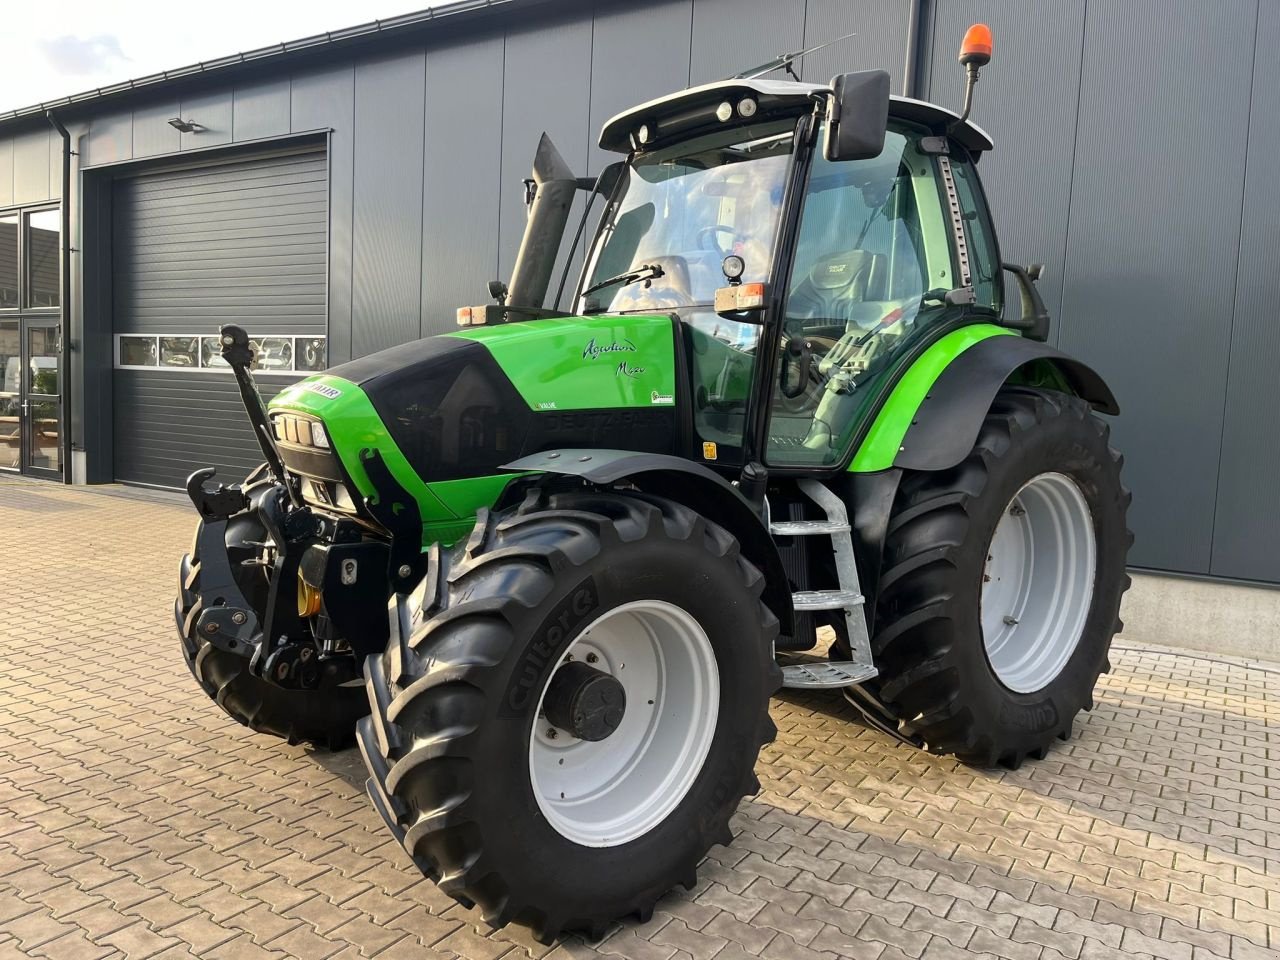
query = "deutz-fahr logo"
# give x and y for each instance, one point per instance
(594, 351)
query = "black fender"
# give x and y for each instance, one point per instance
(946, 423)
(686, 482)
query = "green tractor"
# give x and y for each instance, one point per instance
(787, 395)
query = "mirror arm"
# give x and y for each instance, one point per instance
(1034, 319)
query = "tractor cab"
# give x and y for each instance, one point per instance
(800, 275)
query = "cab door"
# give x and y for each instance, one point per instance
(871, 246)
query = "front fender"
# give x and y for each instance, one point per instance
(686, 482)
(933, 425)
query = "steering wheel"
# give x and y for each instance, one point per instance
(709, 233)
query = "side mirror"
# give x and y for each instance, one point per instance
(857, 116)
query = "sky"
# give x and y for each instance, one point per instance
(54, 48)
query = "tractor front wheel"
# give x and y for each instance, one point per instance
(325, 717)
(570, 708)
(1002, 583)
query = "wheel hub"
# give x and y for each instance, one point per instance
(643, 678)
(586, 702)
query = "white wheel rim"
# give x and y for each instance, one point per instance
(1038, 582)
(607, 792)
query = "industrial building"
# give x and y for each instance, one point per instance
(346, 192)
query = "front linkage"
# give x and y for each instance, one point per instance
(276, 600)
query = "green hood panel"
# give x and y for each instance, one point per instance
(884, 440)
(352, 424)
(585, 363)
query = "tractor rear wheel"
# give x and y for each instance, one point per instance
(1001, 584)
(570, 708)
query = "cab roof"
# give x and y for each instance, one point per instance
(682, 113)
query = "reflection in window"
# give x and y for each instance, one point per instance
(211, 353)
(8, 260)
(10, 360)
(138, 352)
(179, 351)
(44, 438)
(311, 353)
(10, 434)
(42, 258)
(272, 353)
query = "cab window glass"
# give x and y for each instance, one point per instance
(984, 260)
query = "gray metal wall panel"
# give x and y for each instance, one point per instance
(320, 100)
(6, 171)
(880, 41)
(31, 167)
(637, 54)
(547, 81)
(260, 110)
(212, 111)
(1152, 250)
(386, 240)
(730, 36)
(1031, 120)
(152, 134)
(166, 425)
(1247, 524)
(460, 186)
(241, 242)
(110, 139)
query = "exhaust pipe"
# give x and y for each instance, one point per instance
(554, 186)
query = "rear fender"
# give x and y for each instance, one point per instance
(686, 482)
(937, 431)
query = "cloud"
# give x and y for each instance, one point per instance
(83, 56)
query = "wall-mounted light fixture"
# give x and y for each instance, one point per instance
(184, 126)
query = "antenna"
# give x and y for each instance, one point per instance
(784, 61)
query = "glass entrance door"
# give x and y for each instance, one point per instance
(31, 398)
(42, 398)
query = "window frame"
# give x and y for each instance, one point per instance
(221, 369)
(22, 212)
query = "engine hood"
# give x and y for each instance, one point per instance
(449, 410)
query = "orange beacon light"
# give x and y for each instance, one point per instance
(976, 48)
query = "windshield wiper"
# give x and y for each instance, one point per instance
(649, 271)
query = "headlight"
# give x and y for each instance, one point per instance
(303, 431)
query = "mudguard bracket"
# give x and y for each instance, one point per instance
(397, 511)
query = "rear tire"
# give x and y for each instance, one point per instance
(455, 731)
(988, 637)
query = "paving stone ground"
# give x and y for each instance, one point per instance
(137, 820)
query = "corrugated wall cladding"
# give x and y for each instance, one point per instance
(1143, 180)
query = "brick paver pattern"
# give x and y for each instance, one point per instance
(137, 820)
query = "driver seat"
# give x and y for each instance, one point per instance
(839, 294)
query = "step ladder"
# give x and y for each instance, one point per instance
(835, 673)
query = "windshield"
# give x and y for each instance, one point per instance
(679, 212)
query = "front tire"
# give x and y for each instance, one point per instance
(1002, 583)
(464, 760)
(325, 717)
